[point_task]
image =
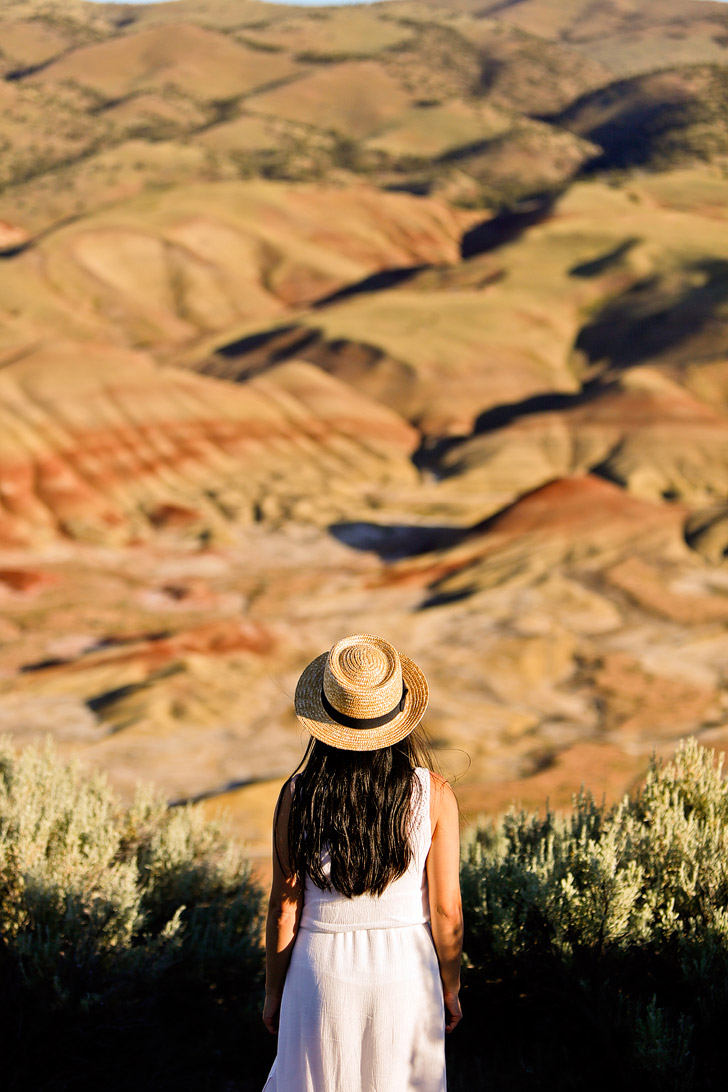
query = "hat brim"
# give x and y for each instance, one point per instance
(311, 713)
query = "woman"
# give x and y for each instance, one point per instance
(364, 931)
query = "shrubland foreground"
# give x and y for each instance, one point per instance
(596, 943)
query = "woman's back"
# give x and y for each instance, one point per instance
(363, 1006)
(405, 901)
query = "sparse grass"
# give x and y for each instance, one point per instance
(366, 70)
(313, 56)
(260, 44)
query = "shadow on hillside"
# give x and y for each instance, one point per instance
(255, 354)
(507, 226)
(650, 320)
(604, 262)
(433, 450)
(394, 542)
(258, 353)
(447, 598)
(508, 412)
(634, 138)
(376, 282)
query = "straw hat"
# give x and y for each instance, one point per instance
(361, 695)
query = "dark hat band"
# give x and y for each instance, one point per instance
(363, 722)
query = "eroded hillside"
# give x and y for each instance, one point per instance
(483, 106)
(405, 318)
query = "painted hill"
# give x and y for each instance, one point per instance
(604, 278)
(484, 104)
(166, 269)
(409, 318)
(101, 445)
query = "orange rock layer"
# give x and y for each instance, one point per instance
(102, 445)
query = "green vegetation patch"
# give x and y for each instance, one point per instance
(115, 919)
(605, 935)
(596, 948)
(94, 893)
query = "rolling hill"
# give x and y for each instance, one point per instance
(410, 318)
(486, 105)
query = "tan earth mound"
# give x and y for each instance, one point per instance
(567, 521)
(356, 98)
(12, 237)
(198, 62)
(28, 44)
(255, 394)
(362, 30)
(104, 446)
(169, 268)
(644, 431)
(435, 130)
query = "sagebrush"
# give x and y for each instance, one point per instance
(120, 926)
(616, 917)
(596, 951)
(91, 890)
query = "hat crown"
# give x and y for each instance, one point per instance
(363, 676)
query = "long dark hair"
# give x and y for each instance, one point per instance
(356, 805)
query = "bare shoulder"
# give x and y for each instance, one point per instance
(442, 799)
(282, 810)
(440, 786)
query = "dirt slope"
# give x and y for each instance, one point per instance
(322, 321)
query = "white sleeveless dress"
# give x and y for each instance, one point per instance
(362, 1007)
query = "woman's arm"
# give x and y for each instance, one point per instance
(284, 914)
(443, 879)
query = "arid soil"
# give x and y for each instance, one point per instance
(413, 320)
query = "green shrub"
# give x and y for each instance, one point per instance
(91, 891)
(596, 942)
(108, 912)
(617, 916)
